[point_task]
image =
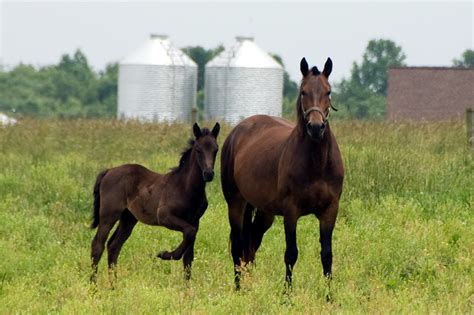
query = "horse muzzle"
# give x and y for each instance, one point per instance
(316, 131)
(208, 175)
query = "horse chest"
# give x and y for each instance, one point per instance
(310, 197)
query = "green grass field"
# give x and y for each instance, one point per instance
(404, 240)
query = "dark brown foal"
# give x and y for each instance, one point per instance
(176, 200)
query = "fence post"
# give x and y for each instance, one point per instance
(470, 126)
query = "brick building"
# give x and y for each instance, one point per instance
(429, 93)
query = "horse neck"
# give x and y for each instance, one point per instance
(314, 154)
(191, 176)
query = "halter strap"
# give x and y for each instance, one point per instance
(315, 109)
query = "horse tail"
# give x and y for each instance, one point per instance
(247, 232)
(95, 212)
(247, 247)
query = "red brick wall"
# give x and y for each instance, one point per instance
(427, 93)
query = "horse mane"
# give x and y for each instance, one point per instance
(187, 151)
(299, 115)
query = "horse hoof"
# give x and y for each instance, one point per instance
(165, 255)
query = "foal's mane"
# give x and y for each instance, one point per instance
(187, 151)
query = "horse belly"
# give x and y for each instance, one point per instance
(144, 216)
(256, 178)
(144, 209)
(258, 143)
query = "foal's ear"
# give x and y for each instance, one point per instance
(216, 129)
(327, 68)
(304, 67)
(196, 130)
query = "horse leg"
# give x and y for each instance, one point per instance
(98, 243)
(291, 253)
(236, 218)
(122, 233)
(188, 258)
(262, 222)
(326, 226)
(174, 223)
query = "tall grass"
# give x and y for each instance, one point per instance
(404, 240)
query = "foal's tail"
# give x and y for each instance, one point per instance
(95, 213)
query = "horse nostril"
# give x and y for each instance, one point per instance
(208, 175)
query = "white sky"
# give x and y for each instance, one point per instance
(430, 33)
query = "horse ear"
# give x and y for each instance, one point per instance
(196, 130)
(304, 67)
(327, 68)
(216, 129)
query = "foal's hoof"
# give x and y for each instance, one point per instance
(165, 255)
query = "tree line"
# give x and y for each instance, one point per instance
(72, 89)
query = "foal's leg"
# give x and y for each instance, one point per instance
(236, 217)
(174, 223)
(188, 258)
(106, 223)
(122, 233)
(188, 255)
(262, 222)
(291, 253)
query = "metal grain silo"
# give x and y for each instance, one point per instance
(241, 81)
(157, 82)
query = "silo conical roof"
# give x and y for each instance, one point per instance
(158, 50)
(244, 53)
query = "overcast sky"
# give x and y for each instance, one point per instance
(430, 33)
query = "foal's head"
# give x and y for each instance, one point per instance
(314, 100)
(205, 149)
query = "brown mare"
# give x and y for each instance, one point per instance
(176, 200)
(277, 168)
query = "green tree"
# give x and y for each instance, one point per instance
(379, 56)
(290, 87)
(357, 101)
(201, 56)
(75, 78)
(68, 89)
(466, 60)
(107, 90)
(363, 94)
(290, 91)
(21, 91)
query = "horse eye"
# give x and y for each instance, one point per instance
(329, 93)
(303, 93)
